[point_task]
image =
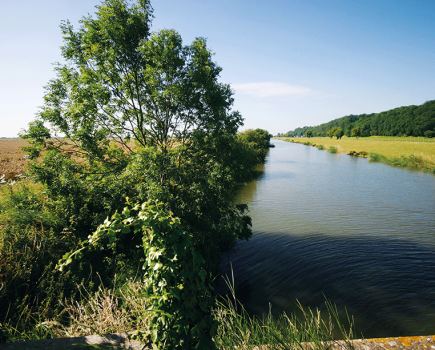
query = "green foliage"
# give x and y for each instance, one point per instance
(412, 162)
(356, 132)
(138, 114)
(175, 281)
(429, 134)
(122, 84)
(31, 242)
(321, 147)
(409, 120)
(258, 141)
(239, 330)
(308, 133)
(337, 132)
(332, 150)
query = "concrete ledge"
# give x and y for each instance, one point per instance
(121, 341)
(399, 343)
(423, 342)
(110, 341)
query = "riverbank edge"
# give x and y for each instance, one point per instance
(411, 162)
(121, 341)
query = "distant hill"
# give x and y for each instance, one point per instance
(409, 121)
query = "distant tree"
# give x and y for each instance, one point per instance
(338, 133)
(412, 120)
(308, 133)
(356, 132)
(258, 141)
(319, 134)
(429, 133)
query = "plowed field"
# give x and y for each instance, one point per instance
(12, 159)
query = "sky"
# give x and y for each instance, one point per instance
(291, 63)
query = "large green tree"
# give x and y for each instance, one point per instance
(121, 82)
(136, 114)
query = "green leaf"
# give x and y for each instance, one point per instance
(197, 258)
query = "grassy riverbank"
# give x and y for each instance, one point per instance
(123, 309)
(398, 152)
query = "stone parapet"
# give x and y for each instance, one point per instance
(121, 341)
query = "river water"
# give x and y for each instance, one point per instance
(360, 234)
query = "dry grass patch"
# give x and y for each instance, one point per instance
(104, 312)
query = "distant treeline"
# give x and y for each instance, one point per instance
(409, 121)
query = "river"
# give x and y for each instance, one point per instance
(360, 234)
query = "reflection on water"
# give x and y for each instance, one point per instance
(359, 233)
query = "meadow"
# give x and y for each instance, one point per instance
(398, 151)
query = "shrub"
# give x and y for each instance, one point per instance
(332, 149)
(258, 140)
(321, 147)
(32, 240)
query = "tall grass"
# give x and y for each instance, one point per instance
(116, 310)
(414, 162)
(238, 330)
(32, 240)
(124, 309)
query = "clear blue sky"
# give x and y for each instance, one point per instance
(291, 63)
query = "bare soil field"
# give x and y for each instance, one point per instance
(12, 161)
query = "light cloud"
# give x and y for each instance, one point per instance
(278, 89)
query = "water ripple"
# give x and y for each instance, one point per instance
(360, 233)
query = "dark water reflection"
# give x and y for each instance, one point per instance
(359, 233)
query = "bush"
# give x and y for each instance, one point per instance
(31, 243)
(32, 240)
(258, 140)
(332, 149)
(320, 147)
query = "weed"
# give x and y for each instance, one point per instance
(237, 330)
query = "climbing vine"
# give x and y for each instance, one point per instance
(175, 282)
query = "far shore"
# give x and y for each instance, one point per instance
(394, 152)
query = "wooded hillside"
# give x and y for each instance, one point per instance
(409, 121)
